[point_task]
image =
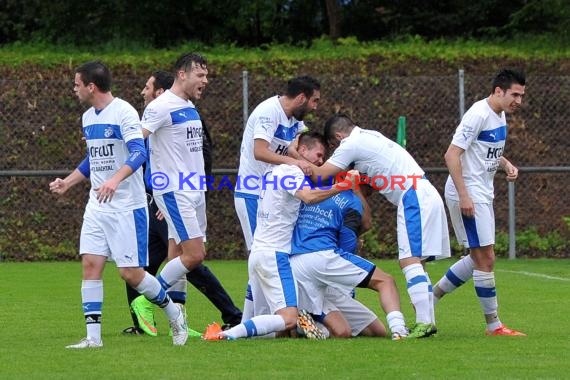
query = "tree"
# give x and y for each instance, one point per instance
(334, 18)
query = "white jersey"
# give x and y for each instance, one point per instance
(392, 169)
(106, 132)
(268, 122)
(278, 210)
(175, 145)
(482, 134)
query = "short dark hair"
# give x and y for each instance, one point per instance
(339, 122)
(302, 85)
(505, 78)
(162, 80)
(185, 61)
(97, 73)
(310, 139)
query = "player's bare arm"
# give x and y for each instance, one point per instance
(60, 186)
(453, 162)
(511, 170)
(310, 196)
(292, 149)
(261, 152)
(327, 170)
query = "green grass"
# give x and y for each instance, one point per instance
(40, 313)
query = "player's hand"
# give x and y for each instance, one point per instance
(58, 186)
(106, 191)
(159, 215)
(467, 207)
(305, 166)
(350, 181)
(512, 172)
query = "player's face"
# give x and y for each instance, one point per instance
(194, 81)
(511, 99)
(335, 141)
(307, 105)
(82, 91)
(148, 93)
(315, 155)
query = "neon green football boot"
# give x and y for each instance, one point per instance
(144, 310)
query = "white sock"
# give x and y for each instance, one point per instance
(417, 285)
(172, 271)
(257, 326)
(151, 289)
(458, 274)
(431, 298)
(177, 292)
(247, 313)
(396, 322)
(486, 292)
(92, 299)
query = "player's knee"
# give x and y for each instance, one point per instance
(132, 276)
(381, 279)
(340, 332)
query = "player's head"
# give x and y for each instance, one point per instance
(91, 78)
(337, 128)
(312, 147)
(508, 89)
(190, 75)
(305, 91)
(156, 84)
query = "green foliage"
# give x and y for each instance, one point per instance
(283, 58)
(531, 242)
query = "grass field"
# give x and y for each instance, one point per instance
(40, 313)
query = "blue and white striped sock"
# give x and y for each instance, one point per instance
(92, 299)
(417, 285)
(486, 292)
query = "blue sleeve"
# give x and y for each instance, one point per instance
(137, 153)
(348, 234)
(84, 167)
(352, 219)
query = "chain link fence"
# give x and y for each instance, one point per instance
(40, 136)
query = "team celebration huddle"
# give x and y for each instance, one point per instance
(301, 214)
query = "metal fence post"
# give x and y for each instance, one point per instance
(461, 75)
(245, 97)
(512, 233)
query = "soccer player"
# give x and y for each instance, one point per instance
(142, 311)
(323, 263)
(115, 223)
(177, 165)
(473, 157)
(272, 282)
(268, 134)
(421, 220)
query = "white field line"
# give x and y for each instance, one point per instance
(531, 274)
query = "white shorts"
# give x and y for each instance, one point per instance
(272, 283)
(185, 214)
(246, 208)
(317, 271)
(422, 223)
(357, 315)
(475, 232)
(120, 236)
